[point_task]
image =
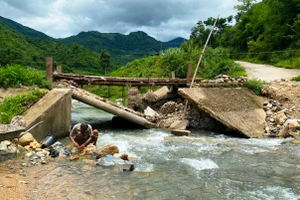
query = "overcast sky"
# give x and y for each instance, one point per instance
(162, 19)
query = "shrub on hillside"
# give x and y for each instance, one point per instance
(16, 105)
(217, 61)
(255, 85)
(297, 78)
(17, 75)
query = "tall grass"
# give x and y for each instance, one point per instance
(17, 75)
(255, 85)
(16, 105)
(297, 78)
(215, 61)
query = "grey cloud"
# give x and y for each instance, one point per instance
(160, 19)
(29, 7)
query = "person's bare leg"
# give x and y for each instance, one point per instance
(79, 138)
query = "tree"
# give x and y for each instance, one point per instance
(104, 61)
(244, 8)
(202, 29)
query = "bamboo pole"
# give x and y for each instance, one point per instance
(199, 61)
(201, 55)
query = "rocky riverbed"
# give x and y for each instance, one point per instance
(282, 106)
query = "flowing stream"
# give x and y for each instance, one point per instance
(204, 166)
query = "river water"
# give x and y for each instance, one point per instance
(205, 165)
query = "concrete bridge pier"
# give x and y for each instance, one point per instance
(54, 109)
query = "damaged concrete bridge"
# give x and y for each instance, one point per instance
(237, 108)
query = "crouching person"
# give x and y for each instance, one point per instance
(81, 135)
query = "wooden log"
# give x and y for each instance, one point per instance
(107, 107)
(121, 81)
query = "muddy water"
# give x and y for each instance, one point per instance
(204, 166)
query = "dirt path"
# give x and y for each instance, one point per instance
(267, 72)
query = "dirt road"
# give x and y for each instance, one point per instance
(267, 72)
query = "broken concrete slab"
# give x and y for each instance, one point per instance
(237, 108)
(179, 124)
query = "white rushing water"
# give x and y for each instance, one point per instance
(204, 166)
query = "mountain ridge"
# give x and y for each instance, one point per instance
(123, 48)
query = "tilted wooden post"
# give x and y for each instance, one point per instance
(199, 61)
(49, 64)
(201, 55)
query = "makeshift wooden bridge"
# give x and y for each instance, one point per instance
(123, 81)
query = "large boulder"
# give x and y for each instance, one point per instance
(112, 161)
(25, 139)
(107, 150)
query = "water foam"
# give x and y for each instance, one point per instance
(274, 192)
(201, 164)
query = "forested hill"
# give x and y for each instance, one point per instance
(123, 48)
(173, 43)
(267, 31)
(26, 31)
(17, 48)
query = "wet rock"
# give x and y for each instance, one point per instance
(292, 124)
(73, 157)
(280, 118)
(168, 107)
(7, 147)
(26, 139)
(107, 150)
(297, 141)
(151, 114)
(89, 150)
(112, 161)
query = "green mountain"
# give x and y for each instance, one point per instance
(123, 48)
(27, 46)
(17, 48)
(174, 43)
(24, 30)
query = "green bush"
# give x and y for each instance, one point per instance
(16, 105)
(255, 85)
(16, 76)
(217, 61)
(297, 78)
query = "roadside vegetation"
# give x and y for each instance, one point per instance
(15, 76)
(216, 61)
(297, 78)
(16, 105)
(255, 85)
